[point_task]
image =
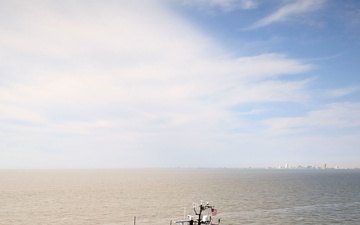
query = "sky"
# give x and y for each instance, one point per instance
(168, 84)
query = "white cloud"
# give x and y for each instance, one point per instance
(288, 11)
(334, 116)
(340, 92)
(123, 83)
(224, 5)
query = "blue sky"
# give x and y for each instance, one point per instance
(217, 83)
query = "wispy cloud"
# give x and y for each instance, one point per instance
(332, 116)
(289, 11)
(120, 78)
(341, 92)
(352, 14)
(223, 5)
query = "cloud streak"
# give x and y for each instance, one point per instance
(224, 5)
(337, 116)
(341, 92)
(288, 11)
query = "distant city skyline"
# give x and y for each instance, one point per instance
(166, 84)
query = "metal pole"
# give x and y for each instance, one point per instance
(134, 220)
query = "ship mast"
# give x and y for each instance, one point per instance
(201, 209)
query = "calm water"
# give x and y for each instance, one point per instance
(157, 196)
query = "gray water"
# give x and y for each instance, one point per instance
(155, 197)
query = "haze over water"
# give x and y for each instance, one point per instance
(158, 196)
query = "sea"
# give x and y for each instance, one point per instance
(162, 196)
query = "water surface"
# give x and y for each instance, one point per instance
(158, 196)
